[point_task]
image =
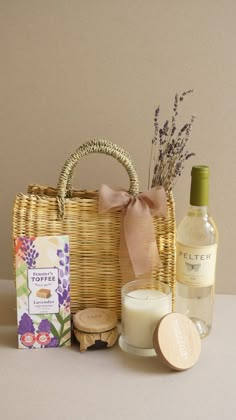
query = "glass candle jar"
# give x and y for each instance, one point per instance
(144, 303)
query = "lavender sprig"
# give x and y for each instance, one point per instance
(168, 162)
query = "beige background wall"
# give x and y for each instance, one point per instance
(73, 70)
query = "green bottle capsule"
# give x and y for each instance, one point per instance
(199, 192)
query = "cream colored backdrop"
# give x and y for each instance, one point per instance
(72, 70)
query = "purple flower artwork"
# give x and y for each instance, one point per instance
(53, 343)
(25, 248)
(64, 271)
(44, 326)
(26, 325)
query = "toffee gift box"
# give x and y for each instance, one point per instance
(43, 291)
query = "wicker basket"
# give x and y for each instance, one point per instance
(94, 238)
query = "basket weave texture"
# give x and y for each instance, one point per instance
(94, 238)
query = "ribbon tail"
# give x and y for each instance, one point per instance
(126, 266)
(138, 240)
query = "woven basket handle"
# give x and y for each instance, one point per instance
(112, 146)
(94, 146)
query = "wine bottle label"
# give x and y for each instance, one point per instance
(196, 265)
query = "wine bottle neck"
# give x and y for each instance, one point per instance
(199, 211)
(199, 192)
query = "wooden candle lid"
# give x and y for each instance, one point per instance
(95, 320)
(177, 342)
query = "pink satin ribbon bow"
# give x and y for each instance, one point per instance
(138, 247)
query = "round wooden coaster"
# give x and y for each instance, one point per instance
(95, 320)
(177, 341)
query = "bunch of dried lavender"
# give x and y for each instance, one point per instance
(168, 153)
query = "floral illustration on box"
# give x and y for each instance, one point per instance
(26, 325)
(25, 249)
(64, 287)
(46, 329)
(26, 256)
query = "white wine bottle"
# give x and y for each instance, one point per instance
(196, 250)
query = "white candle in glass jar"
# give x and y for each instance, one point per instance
(141, 310)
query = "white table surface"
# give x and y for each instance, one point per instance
(108, 384)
